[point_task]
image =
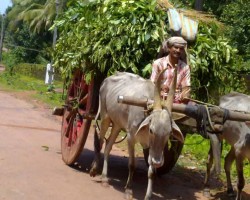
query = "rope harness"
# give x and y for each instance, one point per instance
(210, 119)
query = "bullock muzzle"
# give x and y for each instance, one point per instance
(156, 162)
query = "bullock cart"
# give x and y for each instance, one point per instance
(81, 106)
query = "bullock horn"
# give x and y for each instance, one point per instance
(170, 98)
(157, 92)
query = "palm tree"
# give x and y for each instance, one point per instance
(39, 16)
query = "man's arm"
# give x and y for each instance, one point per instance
(186, 83)
(155, 72)
(185, 94)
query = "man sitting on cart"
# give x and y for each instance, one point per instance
(173, 55)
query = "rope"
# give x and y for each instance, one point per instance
(123, 138)
(201, 119)
(226, 115)
(200, 102)
(209, 119)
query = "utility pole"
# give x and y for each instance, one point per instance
(2, 36)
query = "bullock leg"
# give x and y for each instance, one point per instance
(241, 180)
(216, 144)
(206, 191)
(131, 166)
(151, 174)
(111, 140)
(213, 154)
(230, 157)
(98, 142)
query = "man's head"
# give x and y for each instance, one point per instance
(176, 47)
(178, 41)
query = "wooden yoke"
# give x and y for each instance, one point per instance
(216, 113)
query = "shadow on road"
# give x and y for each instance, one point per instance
(180, 183)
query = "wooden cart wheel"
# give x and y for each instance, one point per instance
(81, 100)
(172, 152)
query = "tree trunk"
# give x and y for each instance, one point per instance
(198, 5)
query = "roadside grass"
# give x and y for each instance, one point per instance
(19, 82)
(194, 155)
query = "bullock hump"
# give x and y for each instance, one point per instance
(235, 101)
(125, 81)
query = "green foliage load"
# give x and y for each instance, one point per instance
(216, 68)
(107, 36)
(120, 35)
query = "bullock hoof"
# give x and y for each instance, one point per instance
(206, 193)
(92, 172)
(128, 194)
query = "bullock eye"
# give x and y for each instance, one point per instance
(151, 131)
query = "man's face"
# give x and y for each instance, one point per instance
(176, 51)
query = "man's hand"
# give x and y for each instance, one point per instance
(185, 94)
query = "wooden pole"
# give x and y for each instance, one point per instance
(189, 110)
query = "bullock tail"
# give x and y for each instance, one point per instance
(97, 127)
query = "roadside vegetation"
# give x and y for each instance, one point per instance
(31, 78)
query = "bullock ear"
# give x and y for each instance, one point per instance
(144, 124)
(177, 132)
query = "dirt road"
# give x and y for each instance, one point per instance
(31, 167)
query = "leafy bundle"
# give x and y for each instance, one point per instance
(107, 36)
(125, 35)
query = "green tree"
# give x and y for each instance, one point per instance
(236, 16)
(39, 14)
(28, 47)
(24, 45)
